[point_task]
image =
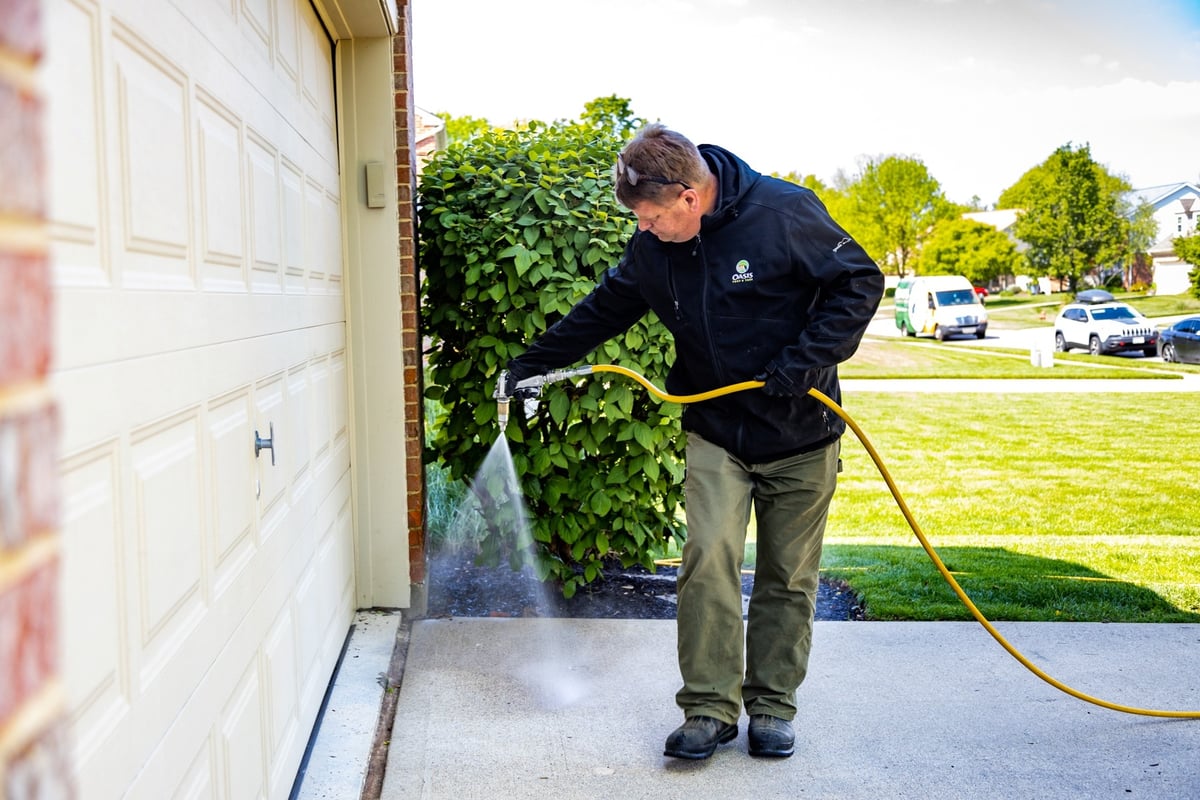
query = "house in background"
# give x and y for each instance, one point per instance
(1003, 220)
(1177, 210)
(210, 422)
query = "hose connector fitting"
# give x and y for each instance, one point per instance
(528, 390)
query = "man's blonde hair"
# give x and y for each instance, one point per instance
(656, 161)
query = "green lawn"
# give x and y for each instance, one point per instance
(879, 357)
(1045, 506)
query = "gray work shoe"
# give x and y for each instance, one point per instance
(771, 737)
(698, 737)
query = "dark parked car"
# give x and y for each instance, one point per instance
(1180, 343)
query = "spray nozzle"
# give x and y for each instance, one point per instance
(527, 390)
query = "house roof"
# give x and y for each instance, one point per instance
(1001, 219)
(1158, 196)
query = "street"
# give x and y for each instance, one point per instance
(1027, 339)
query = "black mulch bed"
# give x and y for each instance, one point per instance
(460, 588)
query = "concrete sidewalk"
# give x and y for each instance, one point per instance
(561, 708)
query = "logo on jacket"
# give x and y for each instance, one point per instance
(742, 273)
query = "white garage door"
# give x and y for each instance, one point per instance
(196, 231)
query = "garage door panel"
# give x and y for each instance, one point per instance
(231, 475)
(147, 325)
(152, 139)
(316, 72)
(265, 215)
(256, 15)
(242, 739)
(221, 201)
(298, 457)
(96, 643)
(282, 678)
(168, 523)
(293, 185)
(179, 377)
(270, 422)
(73, 136)
(200, 779)
(287, 41)
(326, 242)
(320, 423)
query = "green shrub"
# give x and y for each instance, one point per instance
(515, 227)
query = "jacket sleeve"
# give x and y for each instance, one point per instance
(609, 309)
(850, 287)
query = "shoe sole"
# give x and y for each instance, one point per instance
(761, 752)
(759, 749)
(697, 755)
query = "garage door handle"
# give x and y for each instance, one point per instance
(261, 444)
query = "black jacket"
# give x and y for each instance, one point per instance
(771, 284)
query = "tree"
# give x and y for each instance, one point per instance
(1188, 249)
(808, 182)
(891, 207)
(462, 129)
(515, 227)
(1071, 215)
(1142, 234)
(970, 248)
(612, 115)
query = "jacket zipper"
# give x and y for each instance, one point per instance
(671, 287)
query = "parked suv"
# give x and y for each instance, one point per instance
(1104, 328)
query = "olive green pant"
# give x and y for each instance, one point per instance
(791, 502)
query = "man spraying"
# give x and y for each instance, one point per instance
(754, 280)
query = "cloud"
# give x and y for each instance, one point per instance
(980, 91)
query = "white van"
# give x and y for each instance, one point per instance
(940, 306)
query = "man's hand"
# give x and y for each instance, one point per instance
(509, 384)
(777, 383)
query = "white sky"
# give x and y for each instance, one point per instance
(979, 90)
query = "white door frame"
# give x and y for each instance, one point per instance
(367, 132)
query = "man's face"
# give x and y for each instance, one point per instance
(677, 220)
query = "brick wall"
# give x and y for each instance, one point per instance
(406, 180)
(34, 760)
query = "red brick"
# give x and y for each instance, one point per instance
(22, 167)
(21, 27)
(14, 527)
(39, 470)
(41, 769)
(25, 316)
(28, 636)
(29, 499)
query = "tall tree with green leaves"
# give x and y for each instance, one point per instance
(1188, 249)
(461, 129)
(890, 207)
(1072, 216)
(1141, 236)
(807, 181)
(612, 115)
(970, 248)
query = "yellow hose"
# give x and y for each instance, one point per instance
(677, 398)
(916, 529)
